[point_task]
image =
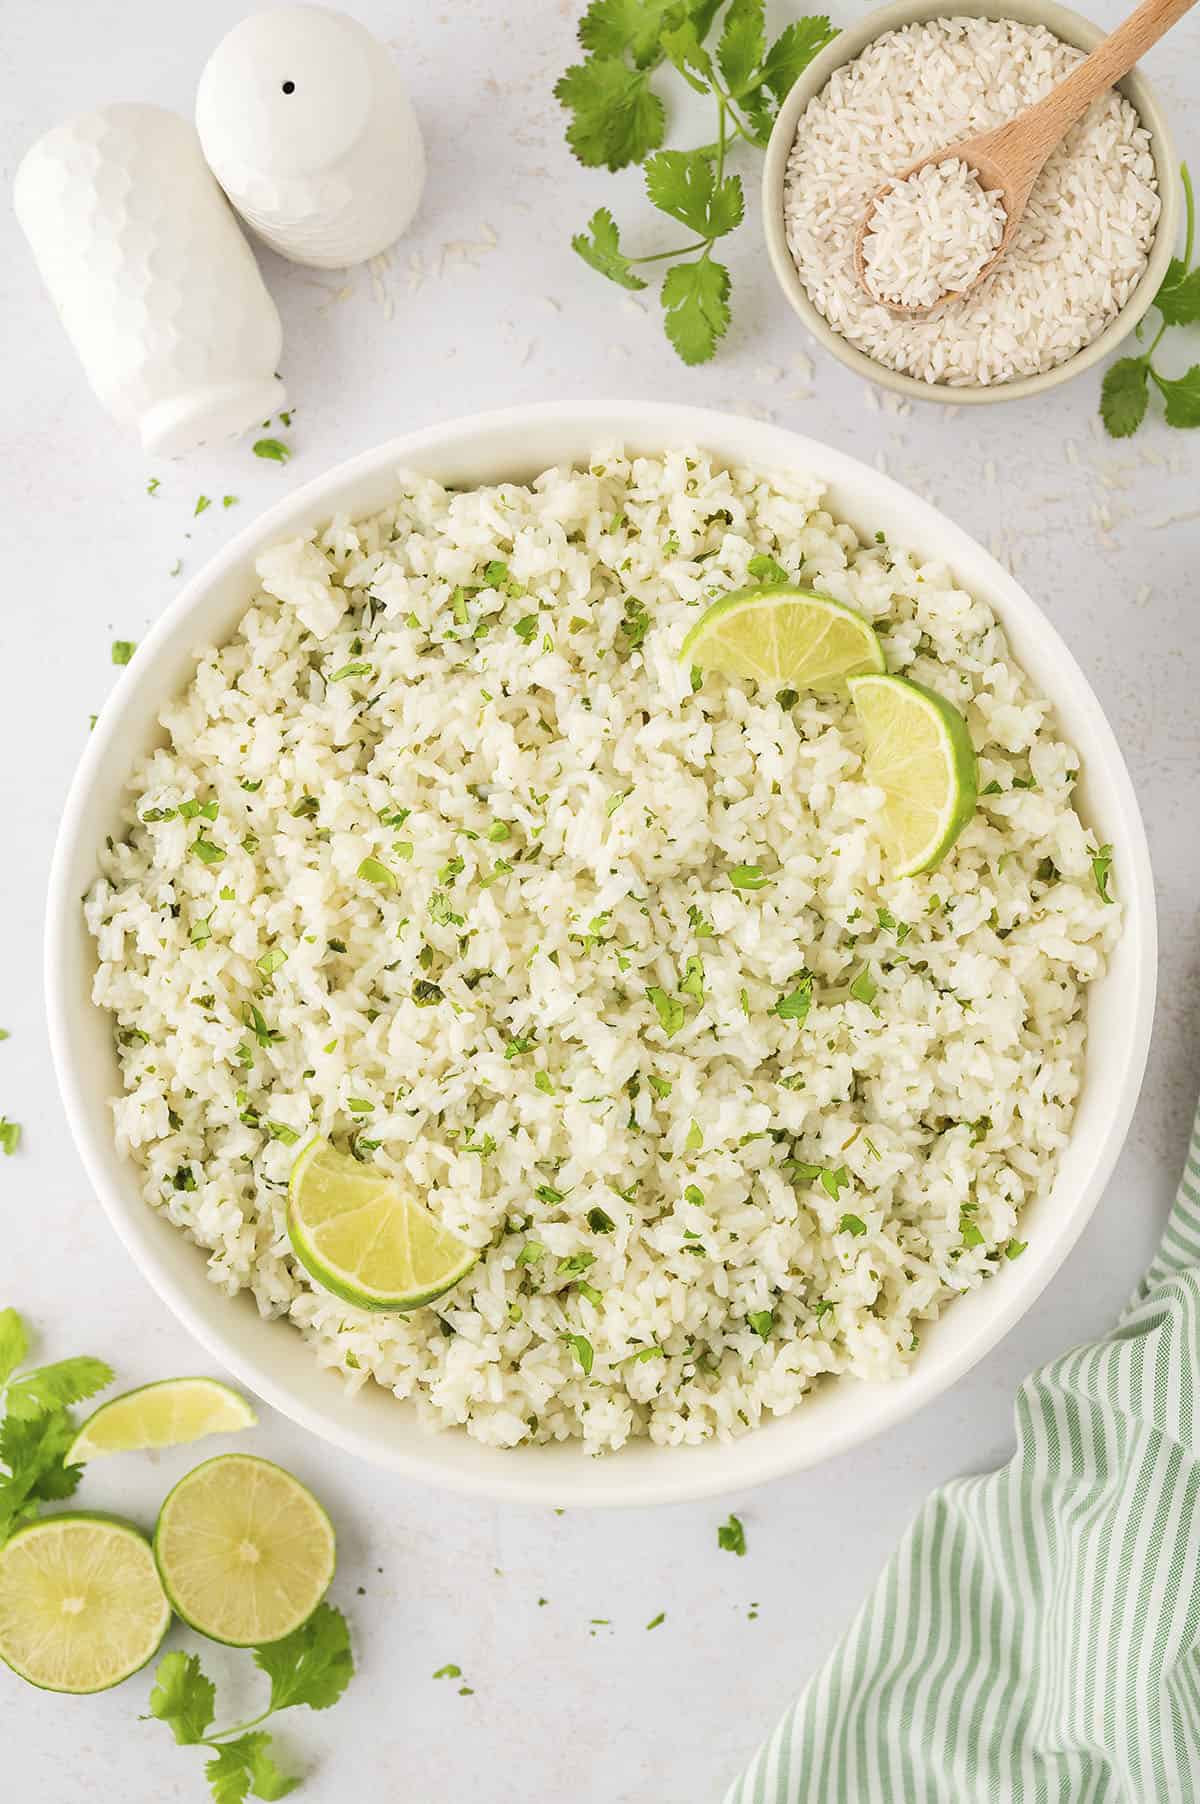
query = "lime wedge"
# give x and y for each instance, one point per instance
(161, 1415)
(362, 1238)
(245, 1551)
(920, 754)
(81, 1605)
(782, 635)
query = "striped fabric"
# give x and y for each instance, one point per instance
(1036, 1638)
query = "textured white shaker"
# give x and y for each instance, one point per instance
(307, 127)
(157, 287)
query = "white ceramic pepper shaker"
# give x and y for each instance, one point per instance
(155, 284)
(307, 127)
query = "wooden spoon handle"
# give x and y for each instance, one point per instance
(1032, 137)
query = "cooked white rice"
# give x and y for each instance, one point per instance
(1081, 246)
(931, 235)
(482, 691)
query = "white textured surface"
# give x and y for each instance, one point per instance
(623, 1716)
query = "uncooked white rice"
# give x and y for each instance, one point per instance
(483, 691)
(1083, 241)
(931, 235)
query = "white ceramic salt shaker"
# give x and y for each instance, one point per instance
(307, 127)
(155, 284)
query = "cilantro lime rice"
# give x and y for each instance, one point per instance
(448, 859)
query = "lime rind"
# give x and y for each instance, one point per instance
(94, 1610)
(169, 1413)
(362, 1239)
(783, 635)
(244, 1551)
(929, 778)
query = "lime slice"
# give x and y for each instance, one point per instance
(362, 1238)
(81, 1605)
(161, 1415)
(782, 635)
(245, 1551)
(920, 754)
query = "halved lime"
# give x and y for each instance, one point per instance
(920, 754)
(783, 635)
(161, 1415)
(81, 1604)
(245, 1551)
(363, 1238)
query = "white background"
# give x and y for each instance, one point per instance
(561, 1708)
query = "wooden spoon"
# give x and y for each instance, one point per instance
(1011, 157)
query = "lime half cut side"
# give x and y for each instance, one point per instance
(920, 754)
(364, 1238)
(245, 1551)
(783, 636)
(81, 1603)
(161, 1415)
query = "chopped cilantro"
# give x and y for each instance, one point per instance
(670, 1010)
(1101, 869)
(123, 650)
(795, 1006)
(10, 1135)
(374, 872)
(206, 852)
(731, 1536)
(762, 1321)
(1015, 1248)
(852, 1224)
(271, 961)
(599, 1222)
(273, 449)
(583, 1351)
(748, 876)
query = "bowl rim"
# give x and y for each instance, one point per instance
(1074, 29)
(526, 1475)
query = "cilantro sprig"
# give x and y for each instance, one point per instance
(313, 1665)
(1125, 391)
(37, 1427)
(618, 118)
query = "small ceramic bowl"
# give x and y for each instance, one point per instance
(1072, 29)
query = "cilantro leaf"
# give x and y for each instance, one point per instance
(852, 1224)
(14, 1343)
(583, 1351)
(795, 1006)
(1182, 397)
(183, 1697)
(671, 1013)
(765, 570)
(313, 1665)
(1178, 299)
(1101, 870)
(743, 42)
(683, 184)
(612, 27)
(617, 118)
(731, 1536)
(602, 251)
(33, 1451)
(696, 299)
(1124, 397)
(792, 52)
(762, 1321)
(244, 1768)
(273, 449)
(683, 47)
(56, 1386)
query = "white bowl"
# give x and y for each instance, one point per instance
(270, 1357)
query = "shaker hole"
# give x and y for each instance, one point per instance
(289, 87)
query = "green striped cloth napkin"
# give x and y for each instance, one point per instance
(1036, 1637)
